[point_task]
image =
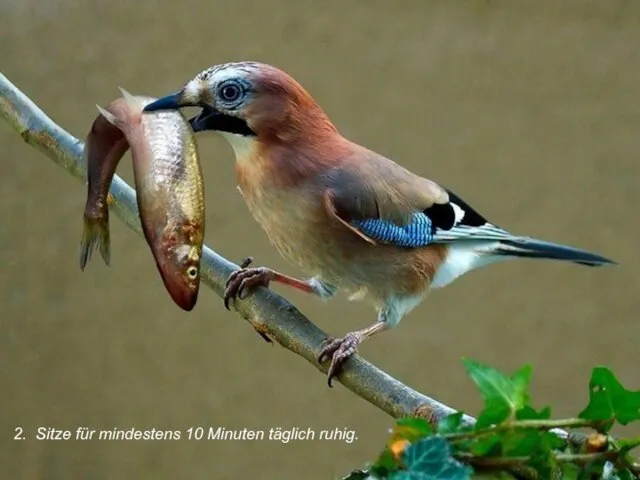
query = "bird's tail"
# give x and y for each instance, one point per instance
(531, 248)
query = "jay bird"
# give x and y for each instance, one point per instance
(347, 216)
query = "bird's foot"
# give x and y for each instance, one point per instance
(339, 350)
(244, 279)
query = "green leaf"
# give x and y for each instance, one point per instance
(516, 443)
(570, 471)
(430, 459)
(626, 475)
(406, 430)
(609, 400)
(526, 442)
(553, 441)
(385, 464)
(627, 444)
(503, 395)
(594, 469)
(541, 453)
(486, 445)
(529, 413)
(451, 423)
(413, 428)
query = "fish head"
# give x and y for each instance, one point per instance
(179, 268)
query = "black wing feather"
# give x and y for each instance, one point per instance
(443, 216)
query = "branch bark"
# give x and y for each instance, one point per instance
(265, 310)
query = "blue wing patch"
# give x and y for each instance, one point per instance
(417, 233)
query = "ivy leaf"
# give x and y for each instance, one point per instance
(529, 413)
(570, 471)
(503, 395)
(385, 464)
(541, 453)
(596, 469)
(451, 423)
(610, 401)
(412, 428)
(627, 444)
(406, 431)
(626, 475)
(430, 459)
(517, 443)
(486, 446)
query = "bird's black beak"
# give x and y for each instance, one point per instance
(205, 120)
(170, 102)
(208, 119)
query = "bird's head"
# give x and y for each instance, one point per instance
(248, 99)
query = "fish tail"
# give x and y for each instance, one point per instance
(132, 101)
(533, 248)
(120, 116)
(111, 118)
(95, 234)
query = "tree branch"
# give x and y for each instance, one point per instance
(265, 310)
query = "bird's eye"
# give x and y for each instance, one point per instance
(192, 272)
(230, 92)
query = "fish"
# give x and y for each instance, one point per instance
(104, 147)
(169, 189)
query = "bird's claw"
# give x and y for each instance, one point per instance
(338, 350)
(246, 262)
(244, 279)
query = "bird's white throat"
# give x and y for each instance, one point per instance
(243, 147)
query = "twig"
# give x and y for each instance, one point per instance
(505, 462)
(552, 425)
(265, 310)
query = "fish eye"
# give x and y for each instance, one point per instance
(230, 92)
(192, 272)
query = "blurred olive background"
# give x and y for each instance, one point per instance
(530, 110)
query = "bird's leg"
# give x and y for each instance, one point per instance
(339, 349)
(389, 316)
(243, 280)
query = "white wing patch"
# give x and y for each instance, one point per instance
(459, 212)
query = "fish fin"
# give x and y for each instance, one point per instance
(109, 116)
(95, 234)
(131, 99)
